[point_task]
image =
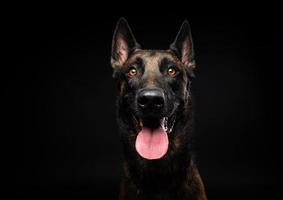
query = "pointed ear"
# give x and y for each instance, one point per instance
(123, 43)
(183, 45)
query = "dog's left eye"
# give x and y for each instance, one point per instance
(172, 71)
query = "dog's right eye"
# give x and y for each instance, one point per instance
(132, 72)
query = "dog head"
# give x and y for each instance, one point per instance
(153, 86)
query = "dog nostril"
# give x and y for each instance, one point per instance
(142, 101)
(158, 102)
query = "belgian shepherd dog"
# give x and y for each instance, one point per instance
(155, 117)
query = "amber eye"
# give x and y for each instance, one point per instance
(132, 72)
(172, 71)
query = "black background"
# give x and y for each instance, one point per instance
(63, 138)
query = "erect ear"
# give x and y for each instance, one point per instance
(123, 43)
(183, 45)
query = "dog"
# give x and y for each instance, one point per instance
(155, 117)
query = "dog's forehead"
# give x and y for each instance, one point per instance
(152, 57)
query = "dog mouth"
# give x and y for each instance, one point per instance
(152, 138)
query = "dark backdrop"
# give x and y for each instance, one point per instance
(63, 138)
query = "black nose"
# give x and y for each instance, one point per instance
(151, 99)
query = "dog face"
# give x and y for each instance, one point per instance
(153, 86)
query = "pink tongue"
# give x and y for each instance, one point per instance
(152, 144)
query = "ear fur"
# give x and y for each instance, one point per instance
(123, 43)
(183, 46)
